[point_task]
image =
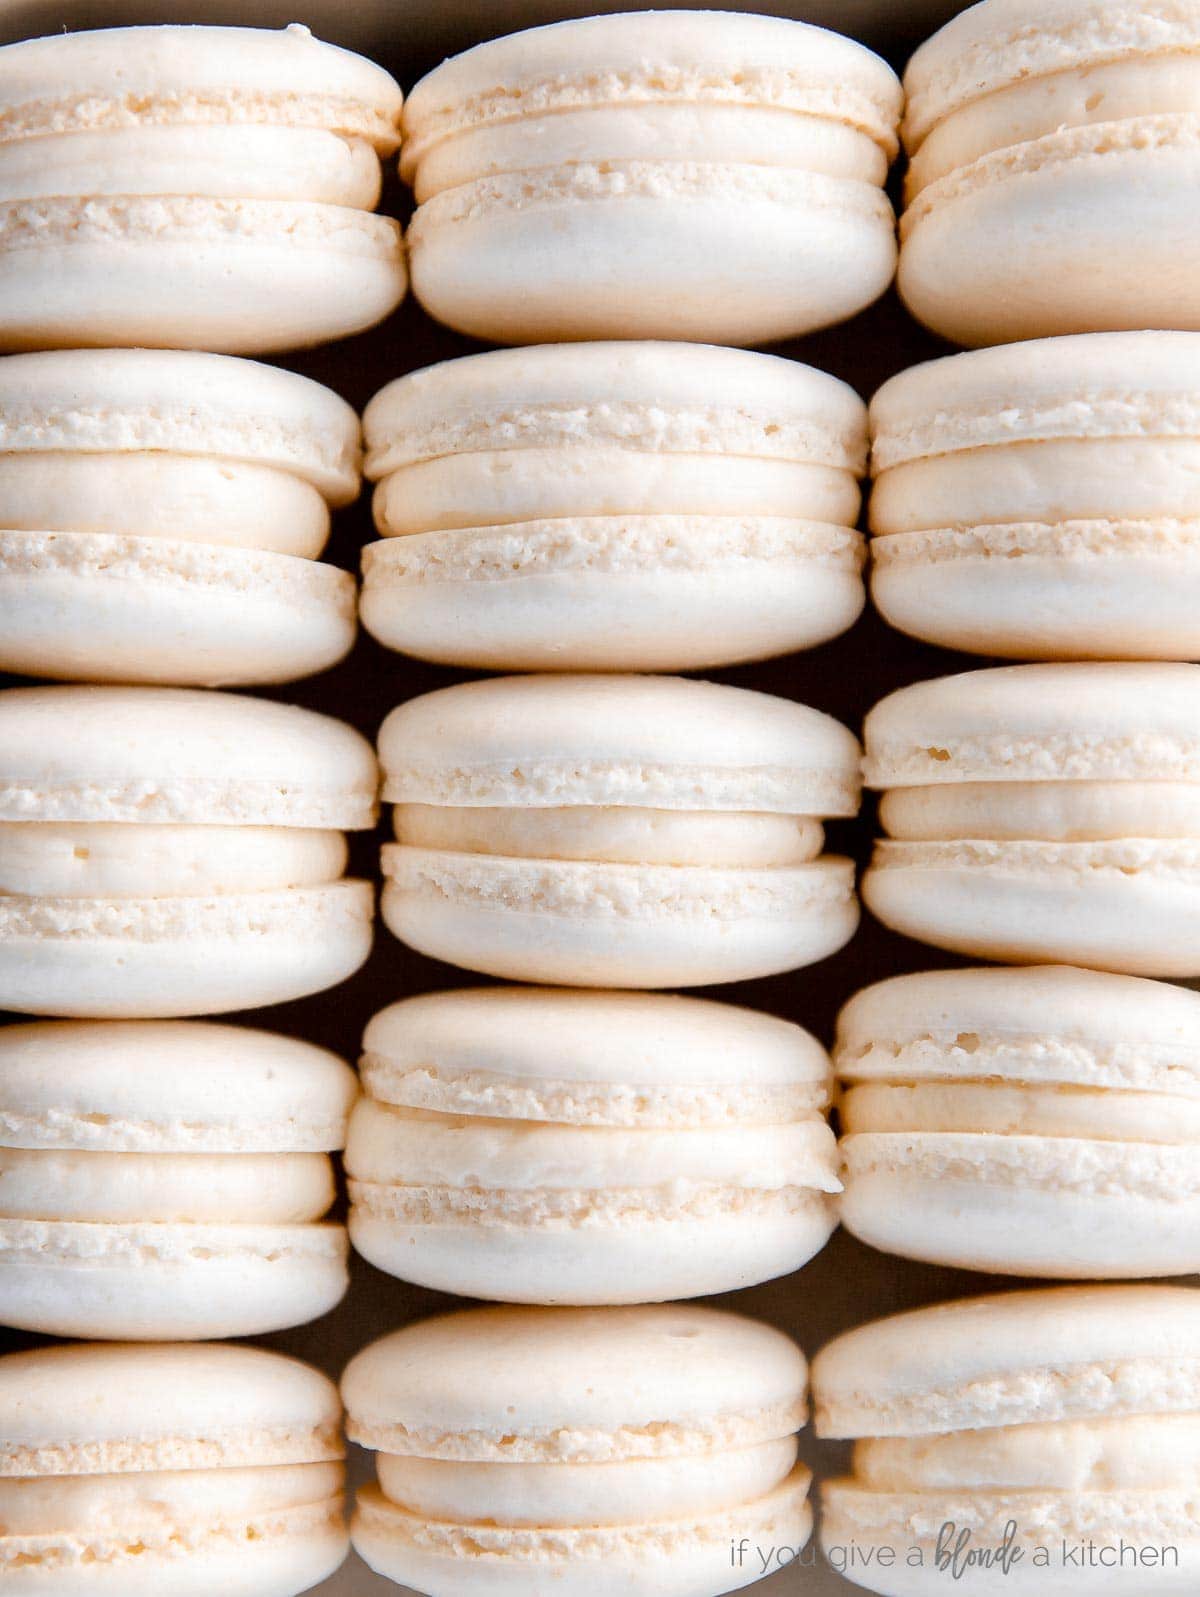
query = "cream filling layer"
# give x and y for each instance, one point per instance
(625, 1491)
(165, 1188)
(1020, 1110)
(121, 859)
(1071, 812)
(612, 834)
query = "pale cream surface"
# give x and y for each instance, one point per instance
(1074, 812)
(1017, 1109)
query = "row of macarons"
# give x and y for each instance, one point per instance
(170, 1179)
(609, 506)
(650, 1449)
(215, 188)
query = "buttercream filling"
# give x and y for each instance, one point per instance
(1071, 812)
(152, 493)
(614, 834)
(196, 1188)
(121, 859)
(1016, 1109)
(624, 1491)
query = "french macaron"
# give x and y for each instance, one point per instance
(699, 175)
(1043, 1121)
(167, 852)
(164, 1180)
(1053, 151)
(1043, 814)
(161, 512)
(139, 1470)
(613, 506)
(193, 188)
(579, 1452)
(616, 831)
(539, 1145)
(1042, 1442)
(1040, 500)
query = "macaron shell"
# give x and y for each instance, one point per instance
(113, 609)
(582, 924)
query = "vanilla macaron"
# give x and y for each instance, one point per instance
(613, 506)
(616, 831)
(578, 1452)
(699, 175)
(193, 188)
(538, 1145)
(169, 852)
(165, 1179)
(1040, 500)
(1043, 1121)
(137, 1471)
(1041, 1441)
(1043, 813)
(1053, 158)
(161, 512)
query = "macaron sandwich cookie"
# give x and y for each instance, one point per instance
(170, 852)
(1053, 1434)
(161, 513)
(1053, 152)
(698, 175)
(164, 1179)
(133, 1471)
(1043, 813)
(613, 506)
(1042, 1122)
(194, 188)
(578, 1452)
(542, 1145)
(616, 831)
(1040, 500)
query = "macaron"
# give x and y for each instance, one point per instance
(164, 1179)
(1039, 500)
(160, 516)
(616, 831)
(540, 1145)
(1053, 156)
(169, 852)
(696, 175)
(193, 188)
(613, 506)
(133, 1471)
(1043, 813)
(578, 1452)
(1043, 1121)
(1040, 1441)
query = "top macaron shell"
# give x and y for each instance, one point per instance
(583, 180)
(160, 512)
(192, 187)
(1051, 147)
(167, 852)
(1038, 500)
(1043, 813)
(613, 506)
(616, 831)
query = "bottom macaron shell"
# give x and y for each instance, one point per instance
(182, 272)
(1040, 1206)
(1077, 590)
(590, 925)
(167, 1282)
(923, 1529)
(279, 1556)
(102, 608)
(1131, 906)
(651, 593)
(647, 1262)
(665, 1558)
(108, 958)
